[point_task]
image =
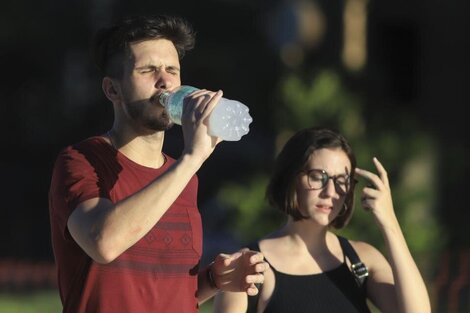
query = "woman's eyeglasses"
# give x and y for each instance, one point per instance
(318, 179)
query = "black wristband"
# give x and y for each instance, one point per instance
(210, 277)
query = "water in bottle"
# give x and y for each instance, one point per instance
(229, 120)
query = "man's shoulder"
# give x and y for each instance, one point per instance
(93, 141)
(86, 145)
(84, 149)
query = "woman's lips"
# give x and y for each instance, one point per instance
(325, 208)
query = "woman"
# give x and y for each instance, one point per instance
(311, 269)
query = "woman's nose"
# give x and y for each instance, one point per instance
(330, 187)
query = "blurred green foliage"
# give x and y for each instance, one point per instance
(392, 135)
(40, 301)
(47, 301)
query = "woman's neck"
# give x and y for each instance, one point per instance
(304, 233)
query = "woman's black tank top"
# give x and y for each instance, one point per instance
(332, 291)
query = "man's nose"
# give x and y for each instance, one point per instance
(163, 81)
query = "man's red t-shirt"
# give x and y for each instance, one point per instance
(158, 273)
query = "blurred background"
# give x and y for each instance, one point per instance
(393, 76)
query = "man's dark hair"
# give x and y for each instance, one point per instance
(111, 45)
(281, 192)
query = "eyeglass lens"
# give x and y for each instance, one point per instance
(318, 179)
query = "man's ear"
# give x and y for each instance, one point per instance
(110, 88)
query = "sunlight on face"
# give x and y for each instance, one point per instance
(323, 205)
(154, 66)
(333, 161)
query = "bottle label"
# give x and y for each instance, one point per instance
(175, 103)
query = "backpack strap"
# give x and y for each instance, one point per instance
(358, 268)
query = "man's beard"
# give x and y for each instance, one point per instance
(143, 112)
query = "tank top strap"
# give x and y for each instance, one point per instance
(255, 247)
(253, 300)
(358, 268)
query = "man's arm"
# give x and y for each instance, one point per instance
(105, 230)
(238, 272)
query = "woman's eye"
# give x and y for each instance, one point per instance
(316, 177)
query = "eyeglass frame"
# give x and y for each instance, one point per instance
(351, 180)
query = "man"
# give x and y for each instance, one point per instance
(126, 231)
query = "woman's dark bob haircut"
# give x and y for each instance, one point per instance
(281, 192)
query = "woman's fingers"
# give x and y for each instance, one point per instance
(375, 181)
(381, 170)
(372, 179)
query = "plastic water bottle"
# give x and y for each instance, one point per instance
(229, 120)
